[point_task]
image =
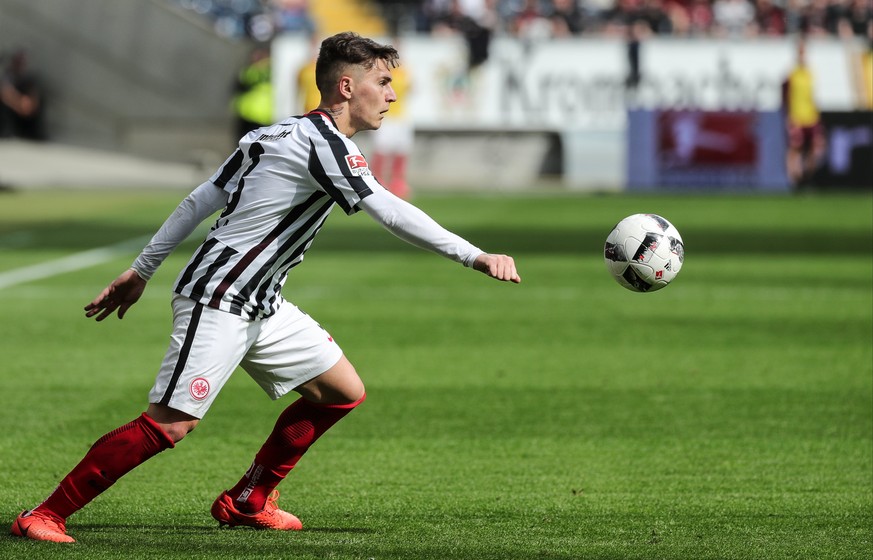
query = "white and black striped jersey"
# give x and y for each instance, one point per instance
(282, 183)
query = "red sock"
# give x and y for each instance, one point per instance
(113, 456)
(296, 430)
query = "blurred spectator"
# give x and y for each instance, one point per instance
(815, 18)
(290, 16)
(22, 100)
(769, 18)
(626, 14)
(258, 20)
(794, 16)
(637, 32)
(700, 17)
(529, 21)
(253, 101)
(617, 20)
(425, 13)
(654, 15)
(567, 18)
(733, 18)
(806, 139)
(852, 17)
(479, 20)
(476, 32)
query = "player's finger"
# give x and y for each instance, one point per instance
(508, 269)
(94, 308)
(122, 309)
(97, 301)
(106, 312)
(504, 270)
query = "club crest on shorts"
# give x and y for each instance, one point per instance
(199, 388)
(357, 165)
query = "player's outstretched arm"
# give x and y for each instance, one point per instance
(123, 292)
(499, 267)
(414, 226)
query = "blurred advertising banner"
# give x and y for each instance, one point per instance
(581, 83)
(706, 150)
(848, 161)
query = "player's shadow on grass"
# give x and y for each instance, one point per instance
(97, 533)
(108, 528)
(77, 235)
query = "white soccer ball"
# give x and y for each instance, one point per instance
(644, 252)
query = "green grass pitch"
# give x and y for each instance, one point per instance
(728, 416)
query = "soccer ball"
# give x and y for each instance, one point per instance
(644, 252)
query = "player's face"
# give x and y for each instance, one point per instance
(372, 96)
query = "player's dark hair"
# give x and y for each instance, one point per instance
(346, 48)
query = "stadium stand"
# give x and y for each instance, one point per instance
(261, 20)
(539, 19)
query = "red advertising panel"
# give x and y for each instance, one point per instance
(673, 149)
(697, 139)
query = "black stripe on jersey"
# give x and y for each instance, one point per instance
(256, 150)
(320, 175)
(184, 352)
(338, 147)
(230, 168)
(199, 288)
(253, 253)
(317, 219)
(186, 276)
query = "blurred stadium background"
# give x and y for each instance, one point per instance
(726, 417)
(584, 95)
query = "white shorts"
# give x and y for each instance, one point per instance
(280, 353)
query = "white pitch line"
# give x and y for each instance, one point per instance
(69, 263)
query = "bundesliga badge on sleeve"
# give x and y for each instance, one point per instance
(357, 165)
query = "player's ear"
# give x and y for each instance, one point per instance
(346, 85)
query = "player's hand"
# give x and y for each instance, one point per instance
(123, 292)
(499, 267)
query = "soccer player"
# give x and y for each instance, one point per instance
(276, 190)
(806, 138)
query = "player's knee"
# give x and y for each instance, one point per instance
(175, 423)
(178, 430)
(355, 393)
(350, 392)
(339, 385)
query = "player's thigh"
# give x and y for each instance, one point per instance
(340, 384)
(205, 348)
(291, 349)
